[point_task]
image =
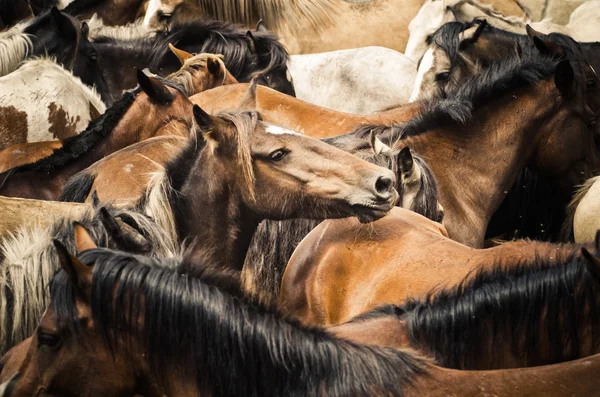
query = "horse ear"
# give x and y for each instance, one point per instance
(83, 240)
(564, 77)
(405, 161)
(592, 264)
(79, 274)
(95, 199)
(249, 98)
(378, 146)
(251, 42)
(203, 119)
(85, 30)
(126, 237)
(543, 44)
(213, 65)
(62, 23)
(154, 88)
(531, 32)
(180, 54)
(449, 16)
(471, 35)
(261, 27)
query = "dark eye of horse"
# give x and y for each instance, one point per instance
(48, 339)
(443, 76)
(278, 155)
(591, 84)
(93, 57)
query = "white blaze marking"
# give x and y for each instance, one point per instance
(153, 7)
(128, 168)
(424, 67)
(277, 130)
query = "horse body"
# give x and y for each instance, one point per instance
(341, 269)
(41, 101)
(359, 81)
(298, 115)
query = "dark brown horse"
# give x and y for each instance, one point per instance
(239, 171)
(161, 109)
(548, 130)
(127, 352)
(501, 317)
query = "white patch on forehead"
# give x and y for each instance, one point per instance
(277, 130)
(424, 67)
(153, 7)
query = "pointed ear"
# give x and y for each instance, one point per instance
(592, 264)
(543, 43)
(378, 146)
(95, 199)
(249, 98)
(531, 32)
(213, 65)
(85, 30)
(261, 27)
(203, 119)
(405, 161)
(180, 54)
(251, 42)
(471, 35)
(79, 274)
(123, 235)
(449, 16)
(564, 77)
(154, 88)
(83, 240)
(62, 23)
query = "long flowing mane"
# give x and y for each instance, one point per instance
(233, 344)
(220, 38)
(554, 301)
(15, 45)
(28, 262)
(276, 13)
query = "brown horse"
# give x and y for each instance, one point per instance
(341, 270)
(304, 117)
(528, 314)
(161, 109)
(458, 135)
(127, 352)
(198, 73)
(275, 241)
(239, 171)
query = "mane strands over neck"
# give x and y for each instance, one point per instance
(233, 344)
(552, 301)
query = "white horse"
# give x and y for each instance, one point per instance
(582, 26)
(41, 101)
(583, 213)
(361, 81)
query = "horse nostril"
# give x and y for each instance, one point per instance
(384, 185)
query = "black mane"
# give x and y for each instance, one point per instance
(500, 310)
(233, 345)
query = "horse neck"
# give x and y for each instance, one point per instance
(486, 160)
(212, 217)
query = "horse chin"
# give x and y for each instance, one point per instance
(367, 214)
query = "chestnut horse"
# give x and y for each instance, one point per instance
(232, 346)
(161, 109)
(538, 311)
(289, 112)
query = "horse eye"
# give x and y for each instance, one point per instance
(277, 155)
(93, 57)
(443, 76)
(48, 339)
(591, 83)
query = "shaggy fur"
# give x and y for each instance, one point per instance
(15, 45)
(77, 188)
(233, 344)
(133, 30)
(29, 262)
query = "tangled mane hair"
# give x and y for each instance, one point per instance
(233, 344)
(29, 261)
(521, 309)
(15, 46)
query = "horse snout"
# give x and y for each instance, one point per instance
(384, 187)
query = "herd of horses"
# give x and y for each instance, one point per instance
(187, 209)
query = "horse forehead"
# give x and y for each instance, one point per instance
(278, 130)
